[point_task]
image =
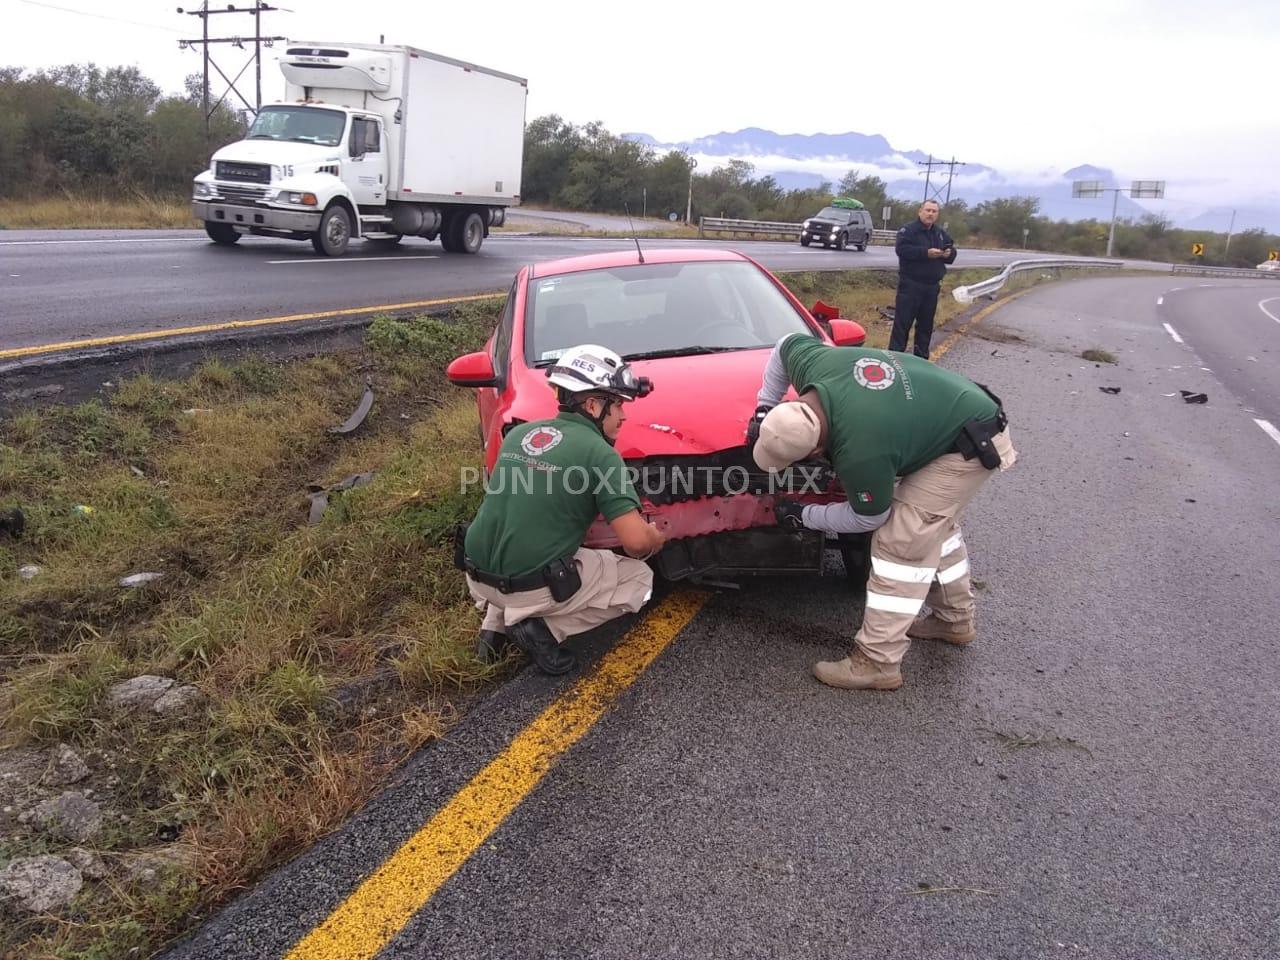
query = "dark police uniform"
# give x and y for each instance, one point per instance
(918, 281)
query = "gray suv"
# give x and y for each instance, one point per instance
(837, 227)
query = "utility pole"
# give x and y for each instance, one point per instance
(259, 41)
(928, 176)
(1230, 230)
(688, 210)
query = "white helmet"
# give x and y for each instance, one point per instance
(590, 368)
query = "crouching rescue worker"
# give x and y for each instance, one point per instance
(880, 416)
(523, 553)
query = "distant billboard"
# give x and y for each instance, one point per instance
(1086, 188)
(1151, 189)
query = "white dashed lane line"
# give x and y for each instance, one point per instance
(1159, 301)
(1173, 333)
(1269, 430)
(351, 259)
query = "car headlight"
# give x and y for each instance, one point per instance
(202, 189)
(294, 196)
(805, 225)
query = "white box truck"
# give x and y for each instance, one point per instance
(374, 142)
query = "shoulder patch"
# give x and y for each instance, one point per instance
(874, 374)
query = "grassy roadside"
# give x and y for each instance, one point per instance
(69, 211)
(323, 655)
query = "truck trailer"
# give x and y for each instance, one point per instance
(374, 142)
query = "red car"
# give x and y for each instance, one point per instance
(700, 324)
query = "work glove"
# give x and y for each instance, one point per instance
(753, 425)
(790, 514)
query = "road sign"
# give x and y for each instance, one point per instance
(1273, 254)
(1197, 249)
(1151, 189)
(886, 213)
(1086, 188)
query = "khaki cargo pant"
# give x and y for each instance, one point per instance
(611, 586)
(919, 553)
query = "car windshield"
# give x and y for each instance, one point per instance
(300, 124)
(658, 308)
(833, 213)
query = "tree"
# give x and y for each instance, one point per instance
(1006, 218)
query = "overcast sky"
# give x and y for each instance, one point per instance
(1180, 90)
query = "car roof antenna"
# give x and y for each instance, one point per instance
(639, 252)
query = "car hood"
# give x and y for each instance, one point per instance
(699, 405)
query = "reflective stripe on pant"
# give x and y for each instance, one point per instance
(916, 302)
(951, 595)
(611, 586)
(907, 559)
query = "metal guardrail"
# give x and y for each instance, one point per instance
(1251, 272)
(974, 290)
(770, 228)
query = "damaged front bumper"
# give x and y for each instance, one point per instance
(724, 525)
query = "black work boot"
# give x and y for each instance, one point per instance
(491, 646)
(536, 639)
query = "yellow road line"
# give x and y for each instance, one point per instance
(229, 325)
(380, 907)
(976, 319)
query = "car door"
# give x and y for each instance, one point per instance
(493, 401)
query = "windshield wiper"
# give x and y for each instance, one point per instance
(683, 352)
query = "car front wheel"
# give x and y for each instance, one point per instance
(842, 241)
(805, 241)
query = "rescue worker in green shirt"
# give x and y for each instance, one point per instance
(912, 443)
(525, 563)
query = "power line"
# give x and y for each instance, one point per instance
(99, 16)
(203, 42)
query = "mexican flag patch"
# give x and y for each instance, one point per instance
(864, 497)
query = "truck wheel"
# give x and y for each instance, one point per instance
(223, 234)
(805, 241)
(449, 232)
(842, 241)
(335, 232)
(470, 233)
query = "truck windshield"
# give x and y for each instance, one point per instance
(833, 213)
(300, 124)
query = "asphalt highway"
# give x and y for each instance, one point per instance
(1094, 777)
(70, 285)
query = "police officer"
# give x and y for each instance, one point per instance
(525, 563)
(923, 250)
(911, 443)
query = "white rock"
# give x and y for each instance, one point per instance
(178, 701)
(29, 571)
(41, 884)
(67, 768)
(139, 692)
(72, 816)
(138, 579)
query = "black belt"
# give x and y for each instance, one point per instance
(531, 581)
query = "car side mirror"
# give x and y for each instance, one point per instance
(472, 370)
(847, 333)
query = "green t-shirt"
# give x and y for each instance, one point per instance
(889, 413)
(552, 478)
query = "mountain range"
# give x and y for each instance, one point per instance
(798, 161)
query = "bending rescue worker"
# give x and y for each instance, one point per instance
(880, 416)
(523, 555)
